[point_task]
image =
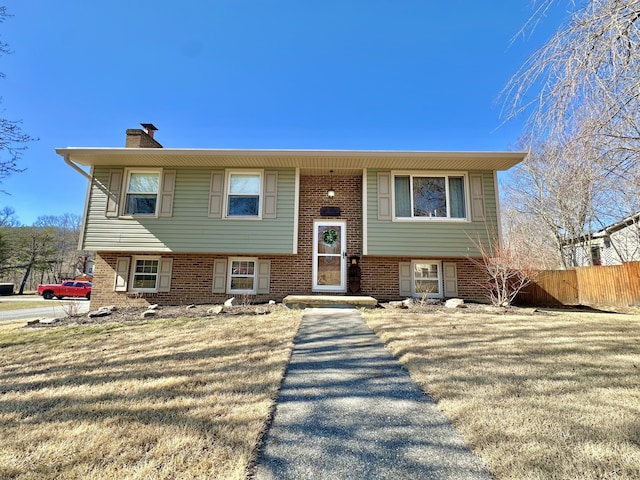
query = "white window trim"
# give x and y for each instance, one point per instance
(440, 293)
(125, 189)
(435, 173)
(255, 275)
(132, 273)
(227, 185)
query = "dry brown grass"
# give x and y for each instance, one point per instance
(553, 396)
(181, 398)
(22, 304)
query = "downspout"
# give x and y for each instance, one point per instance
(68, 161)
(76, 167)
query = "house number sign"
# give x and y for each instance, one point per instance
(329, 211)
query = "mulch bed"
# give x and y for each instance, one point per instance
(127, 314)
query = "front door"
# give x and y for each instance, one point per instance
(329, 255)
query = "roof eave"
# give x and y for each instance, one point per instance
(311, 160)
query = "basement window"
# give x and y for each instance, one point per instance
(242, 275)
(145, 274)
(427, 279)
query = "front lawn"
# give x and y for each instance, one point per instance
(542, 396)
(180, 398)
(23, 304)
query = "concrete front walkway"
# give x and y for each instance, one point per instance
(348, 410)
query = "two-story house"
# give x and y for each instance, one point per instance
(180, 226)
(612, 245)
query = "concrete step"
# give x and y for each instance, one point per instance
(331, 301)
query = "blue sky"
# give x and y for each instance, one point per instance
(332, 74)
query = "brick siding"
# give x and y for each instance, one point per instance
(192, 278)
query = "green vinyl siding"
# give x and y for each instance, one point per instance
(429, 238)
(190, 229)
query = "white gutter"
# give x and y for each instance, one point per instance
(89, 177)
(76, 167)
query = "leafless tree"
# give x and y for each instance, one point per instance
(42, 253)
(507, 270)
(33, 250)
(65, 236)
(527, 235)
(586, 75)
(12, 139)
(581, 95)
(553, 196)
(8, 217)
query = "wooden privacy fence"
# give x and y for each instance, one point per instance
(600, 285)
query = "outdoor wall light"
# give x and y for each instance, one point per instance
(331, 192)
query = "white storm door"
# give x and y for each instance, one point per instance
(329, 254)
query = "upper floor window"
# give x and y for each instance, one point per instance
(243, 194)
(430, 196)
(141, 196)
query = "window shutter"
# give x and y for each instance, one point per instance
(166, 197)
(219, 275)
(264, 273)
(270, 195)
(477, 198)
(122, 274)
(113, 195)
(406, 281)
(450, 279)
(216, 194)
(164, 274)
(384, 196)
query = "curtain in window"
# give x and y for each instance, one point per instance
(456, 195)
(142, 193)
(244, 194)
(402, 197)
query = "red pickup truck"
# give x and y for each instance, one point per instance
(70, 288)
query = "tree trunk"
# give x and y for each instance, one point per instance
(27, 272)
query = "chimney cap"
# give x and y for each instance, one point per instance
(149, 126)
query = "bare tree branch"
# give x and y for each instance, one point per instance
(12, 138)
(581, 95)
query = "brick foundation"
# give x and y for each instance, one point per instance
(192, 278)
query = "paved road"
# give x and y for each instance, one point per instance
(42, 309)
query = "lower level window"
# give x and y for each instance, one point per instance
(145, 274)
(242, 275)
(427, 279)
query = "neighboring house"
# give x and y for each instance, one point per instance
(180, 226)
(84, 268)
(612, 245)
